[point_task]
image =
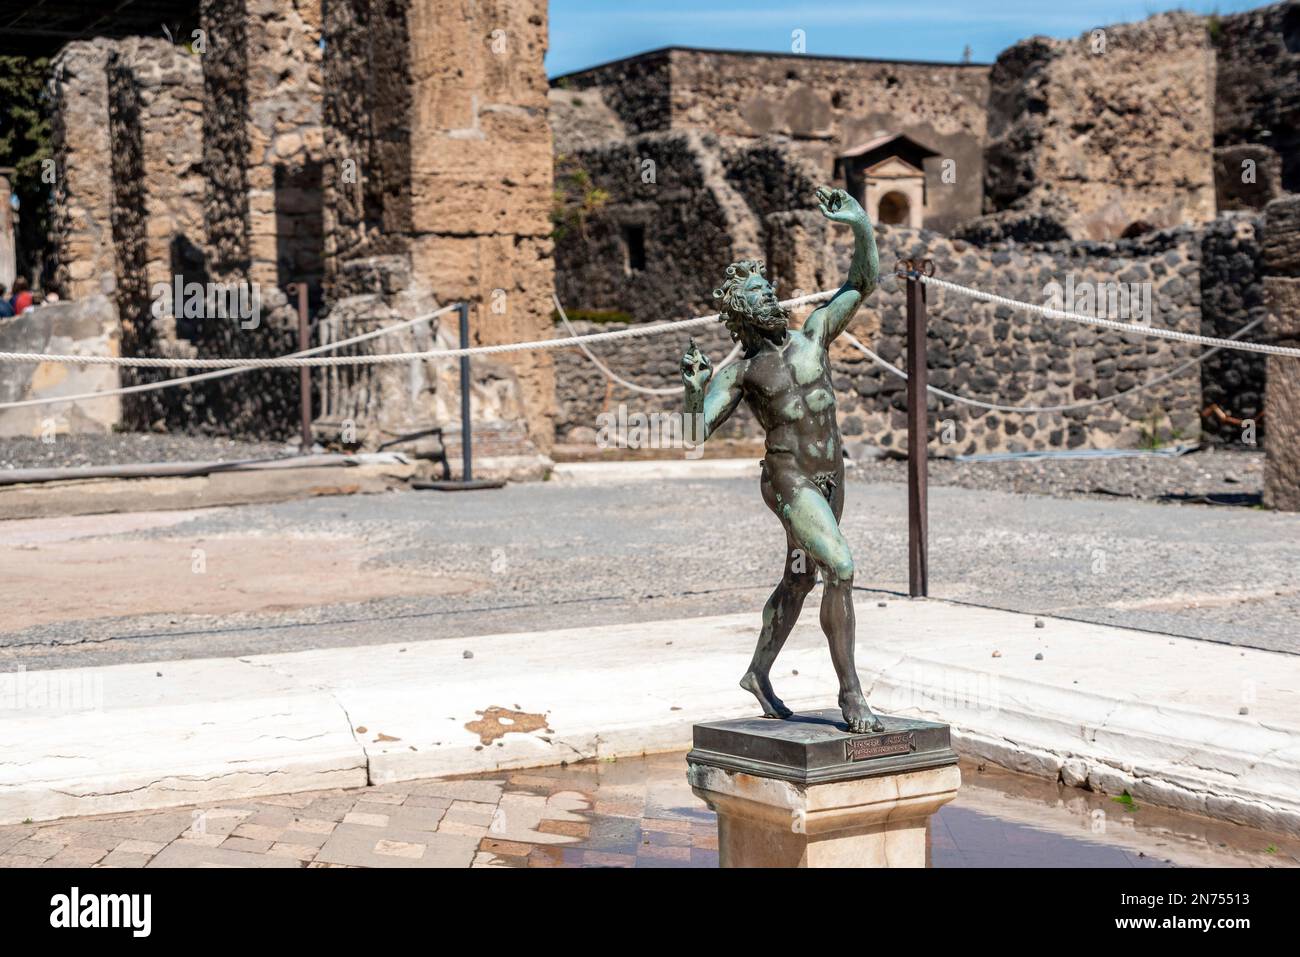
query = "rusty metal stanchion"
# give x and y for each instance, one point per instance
(918, 431)
(466, 433)
(467, 480)
(304, 373)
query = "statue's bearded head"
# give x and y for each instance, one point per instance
(748, 301)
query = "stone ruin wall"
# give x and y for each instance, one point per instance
(822, 105)
(481, 186)
(1232, 295)
(264, 139)
(747, 173)
(1003, 356)
(225, 137)
(716, 202)
(1257, 104)
(1106, 138)
(975, 349)
(87, 327)
(695, 224)
(1281, 268)
(155, 127)
(439, 108)
(234, 241)
(285, 142)
(367, 160)
(84, 260)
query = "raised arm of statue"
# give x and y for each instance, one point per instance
(833, 318)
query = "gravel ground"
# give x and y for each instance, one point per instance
(1231, 477)
(554, 555)
(124, 448)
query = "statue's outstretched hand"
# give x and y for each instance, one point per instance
(696, 368)
(839, 207)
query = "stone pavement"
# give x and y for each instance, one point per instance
(629, 813)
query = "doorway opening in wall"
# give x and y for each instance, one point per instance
(188, 263)
(300, 228)
(633, 249)
(893, 209)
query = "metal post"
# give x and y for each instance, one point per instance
(304, 372)
(467, 469)
(917, 439)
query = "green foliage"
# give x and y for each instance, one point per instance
(1151, 437)
(576, 199)
(24, 125)
(25, 142)
(593, 315)
(1214, 27)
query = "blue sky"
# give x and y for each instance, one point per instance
(587, 32)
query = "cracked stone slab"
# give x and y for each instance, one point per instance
(131, 737)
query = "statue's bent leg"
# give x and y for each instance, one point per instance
(812, 523)
(779, 615)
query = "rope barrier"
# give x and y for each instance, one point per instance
(310, 358)
(1050, 313)
(996, 407)
(221, 373)
(295, 362)
(614, 376)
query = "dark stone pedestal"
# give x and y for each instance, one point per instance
(803, 792)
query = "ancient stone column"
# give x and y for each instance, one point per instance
(83, 187)
(1282, 325)
(481, 168)
(156, 131)
(439, 155)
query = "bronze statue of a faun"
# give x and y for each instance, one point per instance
(784, 376)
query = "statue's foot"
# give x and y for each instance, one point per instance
(857, 715)
(761, 688)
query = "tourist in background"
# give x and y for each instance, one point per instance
(21, 300)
